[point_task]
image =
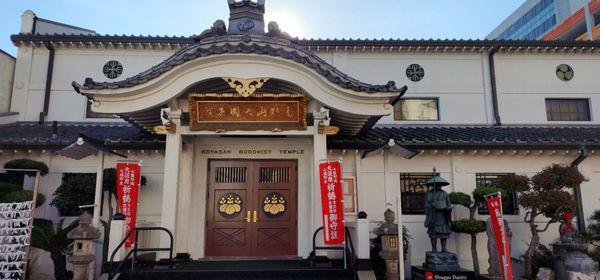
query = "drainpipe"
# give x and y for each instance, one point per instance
(493, 84)
(47, 90)
(577, 190)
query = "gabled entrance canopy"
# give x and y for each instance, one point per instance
(354, 105)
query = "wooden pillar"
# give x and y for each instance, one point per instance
(171, 180)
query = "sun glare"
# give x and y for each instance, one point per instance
(287, 23)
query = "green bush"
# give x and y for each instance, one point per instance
(21, 196)
(76, 189)
(6, 188)
(460, 198)
(468, 226)
(25, 163)
(480, 192)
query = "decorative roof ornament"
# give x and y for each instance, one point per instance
(275, 31)
(246, 17)
(217, 29)
(245, 87)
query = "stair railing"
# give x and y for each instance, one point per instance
(350, 258)
(112, 273)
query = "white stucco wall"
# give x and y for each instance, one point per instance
(71, 64)
(377, 191)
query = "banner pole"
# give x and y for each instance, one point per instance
(400, 238)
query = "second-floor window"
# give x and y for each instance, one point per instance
(573, 109)
(417, 109)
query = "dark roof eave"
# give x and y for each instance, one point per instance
(57, 146)
(182, 40)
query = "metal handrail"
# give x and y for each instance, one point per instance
(111, 273)
(348, 248)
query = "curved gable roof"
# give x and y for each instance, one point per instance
(245, 44)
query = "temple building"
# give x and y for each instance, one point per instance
(243, 113)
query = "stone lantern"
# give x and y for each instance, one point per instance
(388, 232)
(83, 246)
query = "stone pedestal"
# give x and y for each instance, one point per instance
(80, 266)
(570, 257)
(441, 261)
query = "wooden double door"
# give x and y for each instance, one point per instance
(252, 208)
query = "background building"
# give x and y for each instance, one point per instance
(7, 70)
(578, 26)
(535, 18)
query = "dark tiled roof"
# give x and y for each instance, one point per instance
(234, 44)
(440, 136)
(415, 43)
(31, 135)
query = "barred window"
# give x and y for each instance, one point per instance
(413, 190)
(568, 109)
(510, 205)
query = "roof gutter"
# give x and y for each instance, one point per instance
(584, 153)
(48, 89)
(496, 112)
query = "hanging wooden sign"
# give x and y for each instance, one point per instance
(274, 113)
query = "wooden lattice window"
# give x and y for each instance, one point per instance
(226, 175)
(349, 195)
(510, 205)
(413, 190)
(272, 175)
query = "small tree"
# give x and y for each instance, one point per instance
(546, 194)
(47, 237)
(471, 225)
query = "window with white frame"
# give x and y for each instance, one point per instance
(417, 109)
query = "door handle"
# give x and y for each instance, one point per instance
(247, 216)
(255, 216)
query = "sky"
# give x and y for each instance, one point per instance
(404, 19)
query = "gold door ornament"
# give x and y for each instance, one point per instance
(245, 87)
(230, 205)
(274, 205)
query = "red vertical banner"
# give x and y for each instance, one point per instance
(494, 205)
(128, 187)
(330, 176)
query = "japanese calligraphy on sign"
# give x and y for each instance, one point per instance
(332, 203)
(128, 185)
(252, 113)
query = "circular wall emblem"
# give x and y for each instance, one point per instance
(274, 205)
(112, 69)
(415, 72)
(230, 205)
(564, 72)
(245, 25)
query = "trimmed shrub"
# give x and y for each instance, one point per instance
(6, 188)
(468, 226)
(460, 198)
(22, 196)
(25, 163)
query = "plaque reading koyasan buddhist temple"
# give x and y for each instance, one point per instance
(271, 112)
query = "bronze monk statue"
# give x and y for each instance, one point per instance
(438, 223)
(438, 209)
